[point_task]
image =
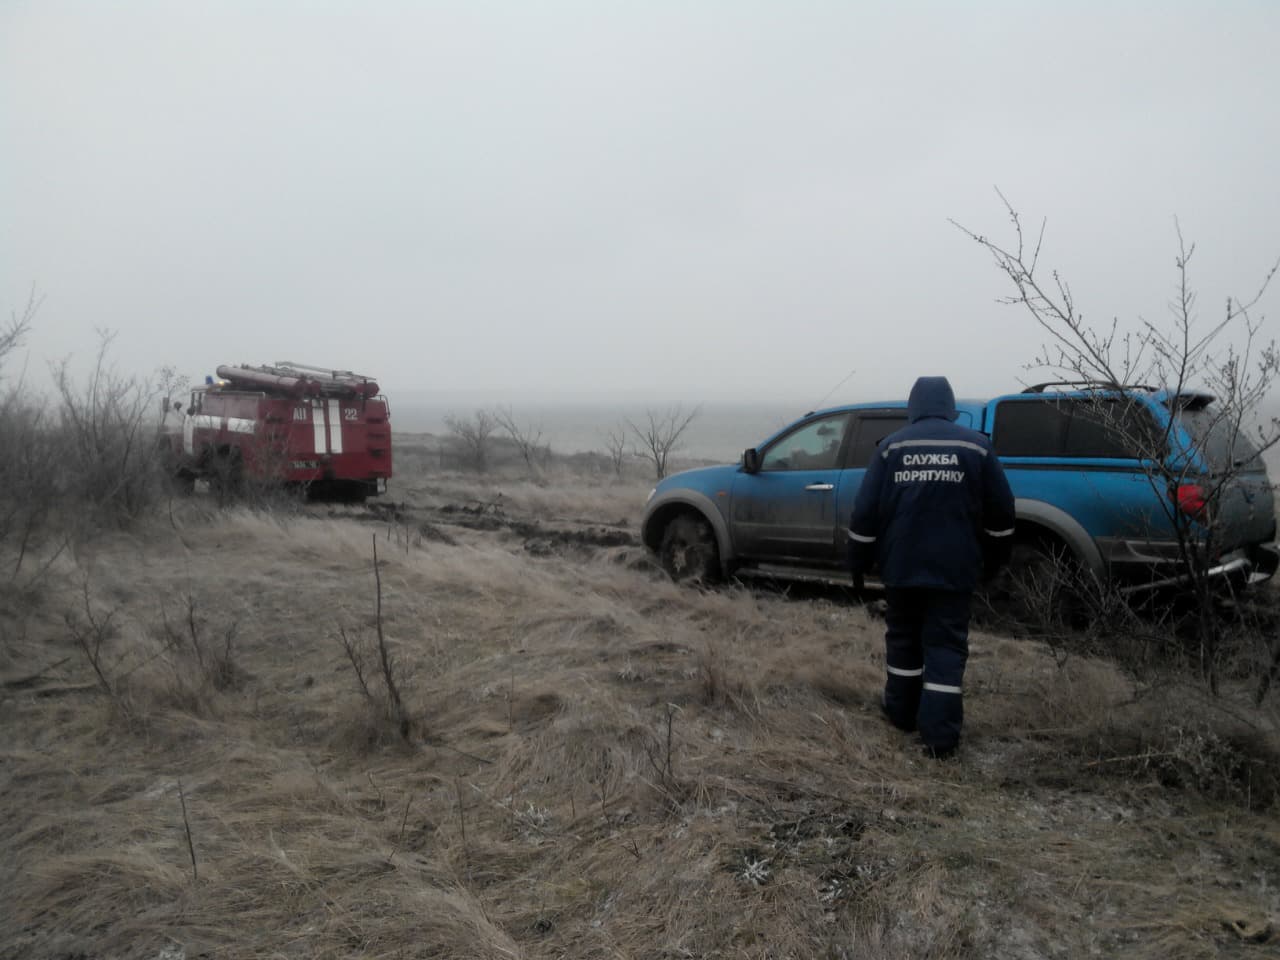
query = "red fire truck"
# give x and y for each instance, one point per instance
(325, 431)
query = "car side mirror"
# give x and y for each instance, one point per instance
(751, 460)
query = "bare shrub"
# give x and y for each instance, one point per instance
(1226, 765)
(659, 750)
(181, 663)
(377, 672)
(1261, 613)
(28, 497)
(30, 458)
(616, 441)
(19, 325)
(1057, 603)
(92, 632)
(1180, 743)
(528, 440)
(660, 434)
(1181, 359)
(111, 454)
(212, 649)
(472, 438)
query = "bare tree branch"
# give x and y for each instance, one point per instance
(660, 434)
(471, 436)
(1197, 458)
(526, 437)
(615, 445)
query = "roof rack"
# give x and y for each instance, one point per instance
(323, 371)
(300, 380)
(1042, 387)
(329, 381)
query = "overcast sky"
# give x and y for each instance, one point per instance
(681, 201)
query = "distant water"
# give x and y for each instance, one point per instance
(718, 432)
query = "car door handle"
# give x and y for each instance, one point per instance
(821, 486)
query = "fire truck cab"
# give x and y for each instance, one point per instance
(325, 431)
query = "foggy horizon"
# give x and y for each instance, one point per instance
(649, 204)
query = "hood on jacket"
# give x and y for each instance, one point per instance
(931, 397)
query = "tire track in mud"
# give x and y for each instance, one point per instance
(539, 538)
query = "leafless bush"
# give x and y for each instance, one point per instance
(1218, 757)
(28, 497)
(111, 451)
(527, 438)
(15, 331)
(615, 445)
(30, 454)
(259, 483)
(378, 674)
(660, 753)
(92, 631)
(1191, 487)
(199, 658)
(660, 434)
(213, 650)
(1057, 603)
(471, 437)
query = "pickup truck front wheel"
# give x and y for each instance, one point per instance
(689, 551)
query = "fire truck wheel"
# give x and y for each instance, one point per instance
(183, 483)
(227, 475)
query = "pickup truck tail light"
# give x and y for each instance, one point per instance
(1192, 501)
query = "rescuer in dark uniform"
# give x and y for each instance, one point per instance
(935, 512)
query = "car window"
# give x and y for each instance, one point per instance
(869, 429)
(1064, 427)
(1224, 443)
(814, 446)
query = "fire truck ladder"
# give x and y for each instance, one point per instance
(331, 382)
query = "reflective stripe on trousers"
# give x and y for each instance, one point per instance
(926, 648)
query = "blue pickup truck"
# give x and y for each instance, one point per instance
(1100, 478)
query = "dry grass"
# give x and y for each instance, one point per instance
(582, 486)
(601, 764)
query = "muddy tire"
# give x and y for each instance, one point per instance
(182, 483)
(226, 477)
(1038, 590)
(689, 551)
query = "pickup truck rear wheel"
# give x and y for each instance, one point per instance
(689, 551)
(1038, 589)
